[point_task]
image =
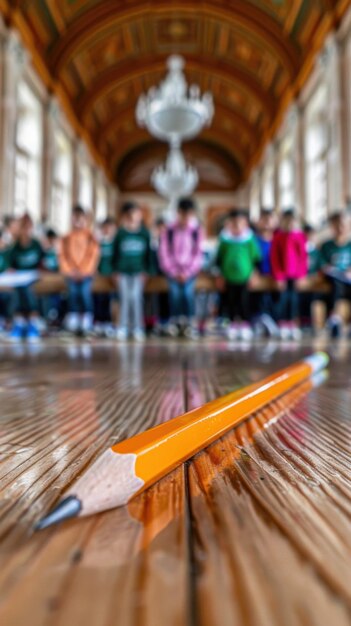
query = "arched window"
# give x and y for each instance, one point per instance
(85, 186)
(62, 183)
(316, 153)
(101, 202)
(286, 174)
(255, 199)
(268, 199)
(29, 153)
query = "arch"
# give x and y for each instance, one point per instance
(113, 124)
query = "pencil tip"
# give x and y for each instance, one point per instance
(67, 508)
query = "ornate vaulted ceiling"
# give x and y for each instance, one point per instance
(99, 55)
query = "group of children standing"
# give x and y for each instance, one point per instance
(281, 252)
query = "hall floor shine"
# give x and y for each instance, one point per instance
(254, 531)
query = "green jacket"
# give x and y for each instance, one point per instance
(131, 251)
(337, 256)
(106, 258)
(50, 260)
(26, 257)
(4, 260)
(237, 257)
(314, 260)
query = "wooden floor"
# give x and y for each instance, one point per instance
(254, 531)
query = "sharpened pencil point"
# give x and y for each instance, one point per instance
(66, 509)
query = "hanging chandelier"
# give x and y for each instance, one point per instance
(174, 112)
(176, 177)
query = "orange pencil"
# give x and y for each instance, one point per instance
(131, 466)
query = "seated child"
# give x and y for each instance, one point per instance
(336, 265)
(131, 263)
(26, 254)
(51, 304)
(102, 301)
(289, 263)
(78, 260)
(238, 255)
(181, 258)
(5, 296)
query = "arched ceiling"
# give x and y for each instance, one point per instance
(101, 55)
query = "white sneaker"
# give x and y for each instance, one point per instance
(270, 325)
(191, 333)
(284, 331)
(121, 334)
(295, 333)
(245, 332)
(139, 335)
(172, 330)
(233, 332)
(72, 322)
(86, 325)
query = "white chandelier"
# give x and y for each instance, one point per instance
(173, 112)
(175, 178)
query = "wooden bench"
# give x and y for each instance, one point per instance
(55, 283)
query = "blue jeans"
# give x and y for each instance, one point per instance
(182, 297)
(26, 301)
(6, 304)
(80, 299)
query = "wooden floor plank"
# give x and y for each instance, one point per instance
(128, 561)
(271, 513)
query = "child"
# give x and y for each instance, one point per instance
(51, 249)
(336, 264)
(26, 254)
(131, 262)
(102, 301)
(181, 258)
(78, 260)
(237, 256)
(289, 263)
(266, 300)
(5, 297)
(51, 303)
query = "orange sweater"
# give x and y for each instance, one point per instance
(79, 252)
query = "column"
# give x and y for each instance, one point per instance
(76, 174)
(112, 199)
(51, 121)
(13, 61)
(334, 123)
(296, 127)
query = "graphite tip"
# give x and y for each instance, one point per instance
(66, 509)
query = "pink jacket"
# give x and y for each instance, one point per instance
(180, 251)
(288, 255)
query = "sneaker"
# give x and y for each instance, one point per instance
(86, 325)
(121, 334)
(72, 322)
(139, 335)
(17, 333)
(233, 332)
(269, 325)
(335, 327)
(32, 334)
(295, 332)
(245, 331)
(284, 331)
(191, 332)
(172, 330)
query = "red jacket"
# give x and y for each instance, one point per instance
(289, 255)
